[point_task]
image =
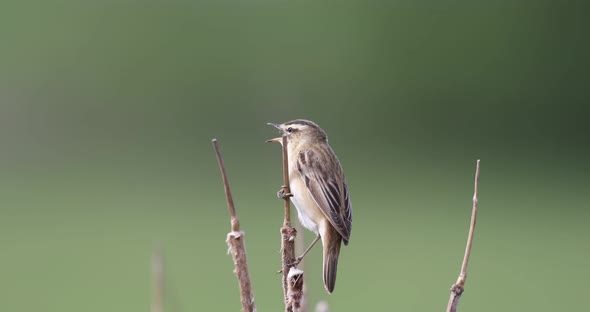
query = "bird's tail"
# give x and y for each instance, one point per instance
(331, 252)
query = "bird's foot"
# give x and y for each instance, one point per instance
(282, 194)
(296, 261)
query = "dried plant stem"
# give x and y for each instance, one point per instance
(288, 234)
(285, 187)
(299, 245)
(235, 242)
(295, 288)
(235, 223)
(459, 286)
(157, 279)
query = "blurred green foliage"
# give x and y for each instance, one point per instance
(107, 109)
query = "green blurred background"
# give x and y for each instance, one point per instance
(107, 109)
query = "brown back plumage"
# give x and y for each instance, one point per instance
(328, 188)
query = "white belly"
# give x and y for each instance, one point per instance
(308, 212)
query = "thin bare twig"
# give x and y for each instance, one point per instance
(235, 223)
(235, 242)
(158, 279)
(285, 187)
(288, 234)
(459, 286)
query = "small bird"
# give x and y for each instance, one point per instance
(319, 190)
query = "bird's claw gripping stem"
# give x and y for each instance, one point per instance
(282, 194)
(296, 261)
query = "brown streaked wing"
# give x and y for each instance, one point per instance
(328, 189)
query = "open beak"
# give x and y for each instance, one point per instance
(276, 140)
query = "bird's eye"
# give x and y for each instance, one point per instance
(290, 129)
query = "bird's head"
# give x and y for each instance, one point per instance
(298, 131)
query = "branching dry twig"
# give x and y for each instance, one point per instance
(459, 286)
(235, 242)
(288, 234)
